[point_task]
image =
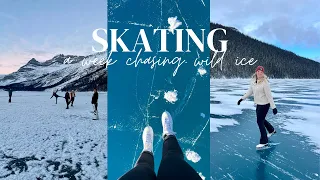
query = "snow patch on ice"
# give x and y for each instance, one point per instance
(305, 122)
(174, 23)
(192, 156)
(171, 96)
(202, 71)
(216, 123)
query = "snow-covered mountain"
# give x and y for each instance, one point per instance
(39, 76)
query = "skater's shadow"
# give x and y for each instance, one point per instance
(262, 163)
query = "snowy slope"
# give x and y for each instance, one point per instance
(54, 73)
(45, 140)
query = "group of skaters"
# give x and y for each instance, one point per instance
(70, 97)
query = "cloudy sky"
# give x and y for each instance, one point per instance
(293, 25)
(42, 29)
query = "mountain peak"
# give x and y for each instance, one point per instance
(59, 56)
(33, 61)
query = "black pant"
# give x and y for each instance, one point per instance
(172, 166)
(9, 99)
(68, 102)
(263, 124)
(72, 100)
(95, 106)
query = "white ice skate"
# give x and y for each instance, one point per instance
(167, 124)
(270, 134)
(147, 139)
(95, 115)
(262, 146)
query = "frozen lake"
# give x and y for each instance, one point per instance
(234, 132)
(41, 139)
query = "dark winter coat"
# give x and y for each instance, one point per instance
(94, 98)
(67, 95)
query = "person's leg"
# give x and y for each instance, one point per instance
(261, 115)
(56, 100)
(173, 166)
(171, 146)
(268, 126)
(96, 107)
(67, 101)
(144, 168)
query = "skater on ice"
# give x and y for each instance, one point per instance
(67, 97)
(10, 94)
(263, 99)
(94, 102)
(54, 94)
(172, 166)
(73, 95)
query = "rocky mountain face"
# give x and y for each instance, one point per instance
(55, 73)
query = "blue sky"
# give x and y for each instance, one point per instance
(292, 25)
(45, 28)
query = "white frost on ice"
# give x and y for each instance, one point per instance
(171, 96)
(192, 156)
(299, 101)
(305, 121)
(216, 123)
(202, 71)
(174, 23)
(51, 133)
(201, 175)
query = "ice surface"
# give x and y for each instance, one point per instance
(298, 101)
(50, 140)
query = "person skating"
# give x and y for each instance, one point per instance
(172, 166)
(10, 94)
(94, 102)
(263, 99)
(73, 95)
(54, 94)
(67, 97)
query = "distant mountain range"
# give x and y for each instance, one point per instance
(278, 63)
(39, 76)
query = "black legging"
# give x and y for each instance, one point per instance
(95, 106)
(263, 124)
(172, 166)
(67, 102)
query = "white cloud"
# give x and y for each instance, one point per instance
(294, 22)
